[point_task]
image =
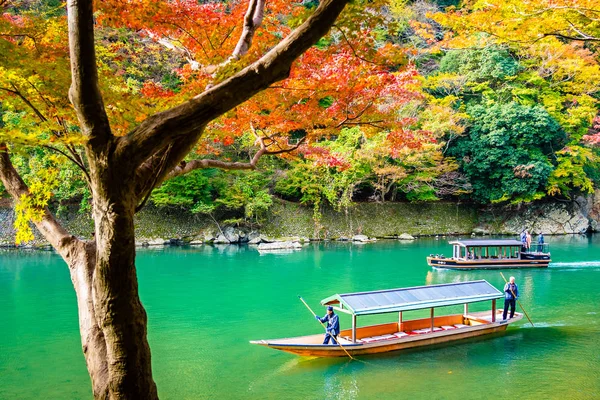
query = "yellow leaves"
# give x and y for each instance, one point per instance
(399, 8)
(570, 172)
(31, 207)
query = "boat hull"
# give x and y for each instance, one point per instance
(409, 342)
(449, 263)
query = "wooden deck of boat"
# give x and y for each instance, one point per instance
(395, 336)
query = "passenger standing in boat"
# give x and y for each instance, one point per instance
(528, 239)
(541, 242)
(333, 325)
(511, 294)
(523, 241)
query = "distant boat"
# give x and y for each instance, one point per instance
(401, 334)
(491, 254)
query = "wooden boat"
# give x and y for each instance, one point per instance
(491, 254)
(401, 334)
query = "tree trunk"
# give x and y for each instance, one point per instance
(112, 320)
(92, 338)
(118, 310)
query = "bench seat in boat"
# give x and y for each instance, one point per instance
(399, 335)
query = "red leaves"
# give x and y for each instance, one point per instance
(352, 78)
(228, 141)
(405, 138)
(154, 90)
(323, 157)
(594, 133)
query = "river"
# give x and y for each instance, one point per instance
(204, 304)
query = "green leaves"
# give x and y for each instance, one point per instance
(211, 190)
(506, 152)
(191, 191)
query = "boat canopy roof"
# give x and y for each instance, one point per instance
(486, 242)
(415, 298)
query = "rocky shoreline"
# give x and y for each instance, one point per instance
(293, 224)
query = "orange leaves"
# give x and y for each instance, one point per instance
(206, 31)
(402, 139)
(351, 78)
(228, 141)
(323, 157)
(154, 90)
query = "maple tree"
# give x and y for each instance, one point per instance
(125, 155)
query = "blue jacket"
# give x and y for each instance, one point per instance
(333, 324)
(507, 292)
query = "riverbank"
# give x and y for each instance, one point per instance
(288, 220)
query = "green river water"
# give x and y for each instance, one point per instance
(204, 304)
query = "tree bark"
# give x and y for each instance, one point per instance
(93, 341)
(119, 311)
(252, 20)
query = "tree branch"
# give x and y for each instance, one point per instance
(252, 20)
(573, 38)
(76, 159)
(186, 122)
(358, 115)
(73, 159)
(18, 93)
(186, 167)
(353, 49)
(48, 226)
(84, 92)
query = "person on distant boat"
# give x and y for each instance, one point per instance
(528, 239)
(523, 241)
(471, 255)
(511, 294)
(333, 325)
(541, 242)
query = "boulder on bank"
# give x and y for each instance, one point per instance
(253, 236)
(256, 240)
(155, 242)
(231, 235)
(406, 236)
(221, 239)
(480, 230)
(362, 239)
(286, 245)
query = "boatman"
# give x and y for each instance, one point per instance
(511, 294)
(333, 325)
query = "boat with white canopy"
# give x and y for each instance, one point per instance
(403, 334)
(491, 254)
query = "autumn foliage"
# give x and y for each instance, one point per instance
(386, 71)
